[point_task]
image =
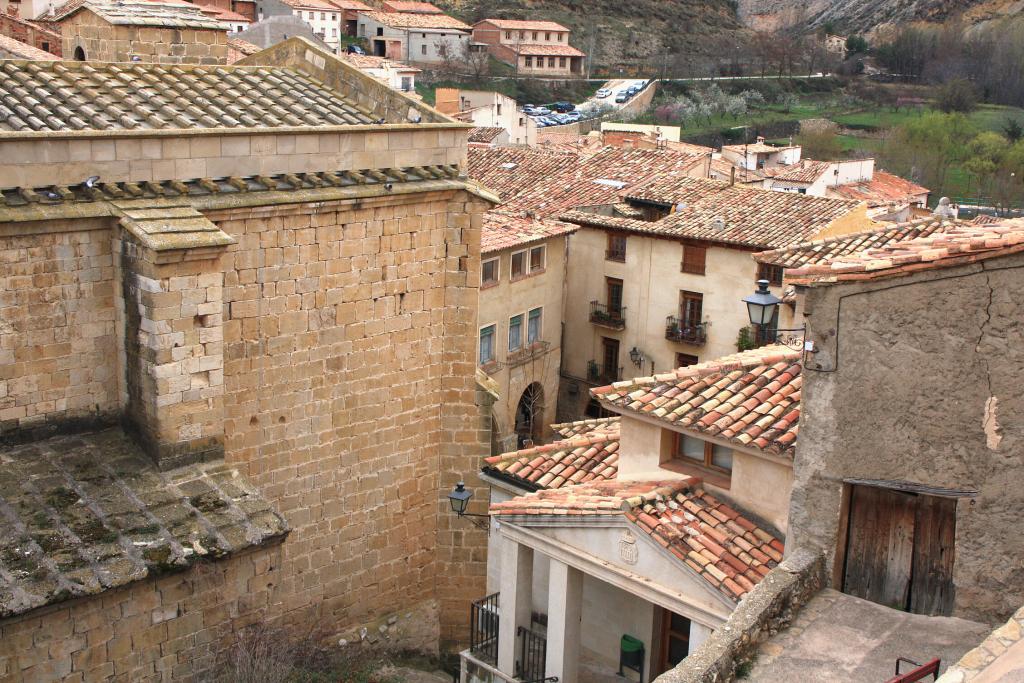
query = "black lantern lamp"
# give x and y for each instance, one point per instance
(762, 307)
(637, 356)
(459, 498)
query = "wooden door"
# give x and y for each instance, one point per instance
(931, 590)
(614, 299)
(673, 643)
(900, 549)
(691, 309)
(611, 357)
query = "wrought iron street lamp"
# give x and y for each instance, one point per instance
(459, 499)
(762, 309)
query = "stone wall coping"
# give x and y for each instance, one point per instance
(763, 611)
(47, 135)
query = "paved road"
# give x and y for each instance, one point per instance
(615, 86)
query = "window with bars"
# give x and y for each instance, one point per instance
(694, 259)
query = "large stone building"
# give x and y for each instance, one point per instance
(415, 37)
(534, 48)
(277, 300)
(167, 33)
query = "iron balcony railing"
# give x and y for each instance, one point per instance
(533, 652)
(602, 373)
(678, 330)
(613, 317)
(529, 352)
(483, 628)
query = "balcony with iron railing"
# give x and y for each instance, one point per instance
(612, 317)
(679, 330)
(483, 628)
(531, 351)
(601, 373)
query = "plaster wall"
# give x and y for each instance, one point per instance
(652, 280)
(507, 298)
(922, 385)
(416, 45)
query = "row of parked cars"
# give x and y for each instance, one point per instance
(559, 114)
(623, 95)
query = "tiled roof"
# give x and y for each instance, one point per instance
(985, 219)
(68, 95)
(85, 513)
(503, 230)
(353, 5)
(485, 134)
(14, 49)
(959, 244)
(410, 20)
(143, 13)
(34, 198)
(601, 178)
(714, 211)
(716, 542)
(375, 62)
(510, 171)
(750, 399)
(225, 15)
(596, 424)
(586, 457)
(743, 175)
(805, 171)
(523, 25)
(238, 48)
(820, 251)
(756, 148)
(411, 6)
(545, 50)
(311, 4)
(883, 188)
(751, 216)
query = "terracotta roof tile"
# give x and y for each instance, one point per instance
(820, 251)
(524, 25)
(485, 134)
(416, 6)
(883, 188)
(411, 20)
(678, 515)
(503, 230)
(570, 429)
(804, 171)
(547, 50)
(590, 454)
(14, 49)
(959, 244)
(69, 95)
(750, 398)
(143, 13)
(374, 62)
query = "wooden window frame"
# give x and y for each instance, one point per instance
(709, 449)
(519, 317)
(684, 296)
(543, 249)
(525, 265)
(611, 253)
(480, 335)
(608, 283)
(679, 356)
(691, 267)
(540, 324)
(770, 272)
(484, 282)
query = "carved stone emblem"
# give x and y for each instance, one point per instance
(628, 550)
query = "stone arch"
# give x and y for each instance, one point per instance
(530, 415)
(79, 54)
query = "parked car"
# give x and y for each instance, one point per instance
(355, 50)
(541, 111)
(603, 93)
(574, 116)
(562, 119)
(563, 107)
(622, 96)
(529, 109)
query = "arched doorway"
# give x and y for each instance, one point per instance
(79, 54)
(530, 415)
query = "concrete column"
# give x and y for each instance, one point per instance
(565, 611)
(515, 601)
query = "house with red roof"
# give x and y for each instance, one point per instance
(651, 524)
(534, 48)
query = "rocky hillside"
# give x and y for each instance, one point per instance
(638, 33)
(866, 16)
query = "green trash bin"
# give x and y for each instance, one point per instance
(631, 655)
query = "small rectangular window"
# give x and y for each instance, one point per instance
(769, 272)
(551, 62)
(685, 360)
(508, 35)
(535, 35)
(533, 327)
(486, 344)
(529, 61)
(705, 453)
(694, 259)
(515, 332)
(547, 36)
(616, 247)
(423, 49)
(518, 264)
(537, 259)
(691, 449)
(561, 62)
(323, 16)
(489, 270)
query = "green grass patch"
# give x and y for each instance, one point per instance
(985, 117)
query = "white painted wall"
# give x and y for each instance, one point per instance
(323, 22)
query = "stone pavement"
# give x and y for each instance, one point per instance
(999, 659)
(837, 637)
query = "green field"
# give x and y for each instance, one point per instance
(985, 117)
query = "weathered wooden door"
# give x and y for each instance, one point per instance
(899, 549)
